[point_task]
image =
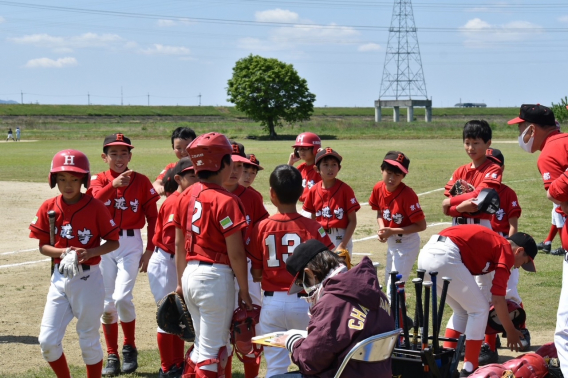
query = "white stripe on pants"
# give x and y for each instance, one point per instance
(470, 306)
(162, 275)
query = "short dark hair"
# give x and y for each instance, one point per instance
(170, 184)
(248, 166)
(286, 181)
(323, 263)
(393, 168)
(477, 129)
(328, 158)
(183, 133)
(226, 160)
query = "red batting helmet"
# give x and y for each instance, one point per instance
(243, 330)
(537, 362)
(523, 368)
(72, 161)
(547, 350)
(207, 151)
(489, 371)
(308, 140)
(516, 314)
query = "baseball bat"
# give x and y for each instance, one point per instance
(398, 278)
(420, 273)
(51, 216)
(402, 300)
(393, 295)
(427, 286)
(447, 281)
(418, 288)
(435, 331)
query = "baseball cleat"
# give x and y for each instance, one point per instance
(175, 372)
(487, 356)
(465, 373)
(129, 359)
(112, 367)
(558, 252)
(544, 247)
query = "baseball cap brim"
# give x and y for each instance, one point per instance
(397, 164)
(295, 289)
(515, 120)
(256, 165)
(187, 169)
(529, 267)
(237, 158)
(119, 144)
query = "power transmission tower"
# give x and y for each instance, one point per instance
(403, 76)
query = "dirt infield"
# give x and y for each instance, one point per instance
(24, 281)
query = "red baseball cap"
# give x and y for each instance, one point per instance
(254, 161)
(117, 140)
(398, 159)
(239, 153)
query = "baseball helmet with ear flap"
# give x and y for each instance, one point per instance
(489, 371)
(516, 314)
(71, 161)
(308, 139)
(243, 330)
(207, 151)
(487, 201)
(537, 362)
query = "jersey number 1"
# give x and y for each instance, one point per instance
(288, 240)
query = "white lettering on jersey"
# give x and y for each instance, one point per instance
(387, 215)
(120, 203)
(546, 176)
(85, 236)
(67, 231)
(500, 214)
(311, 183)
(107, 203)
(134, 205)
(397, 218)
(338, 213)
(326, 212)
(486, 269)
(514, 204)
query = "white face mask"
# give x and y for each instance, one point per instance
(315, 292)
(527, 147)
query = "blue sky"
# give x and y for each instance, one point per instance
(57, 51)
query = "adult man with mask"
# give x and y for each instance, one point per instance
(538, 132)
(346, 307)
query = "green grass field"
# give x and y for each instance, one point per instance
(433, 159)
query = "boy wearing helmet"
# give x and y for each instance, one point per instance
(210, 253)
(77, 288)
(306, 147)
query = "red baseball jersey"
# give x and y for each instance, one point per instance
(483, 251)
(129, 206)
(509, 208)
(274, 239)
(165, 234)
(253, 205)
(558, 190)
(81, 225)
(216, 215)
(260, 194)
(553, 159)
(399, 208)
(163, 173)
(309, 178)
(331, 206)
(487, 175)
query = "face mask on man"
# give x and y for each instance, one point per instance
(315, 292)
(527, 147)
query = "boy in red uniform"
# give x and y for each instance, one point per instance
(462, 252)
(181, 138)
(131, 201)
(399, 216)
(306, 147)
(332, 202)
(77, 288)
(254, 213)
(250, 171)
(162, 267)
(209, 254)
(272, 241)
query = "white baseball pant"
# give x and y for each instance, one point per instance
(402, 252)
(209, 293)
(469, 304)
(120, 269)
(557, 219)
(82, 297)
(561, 332)
(281, 312)
(162, 275)
(336, 235)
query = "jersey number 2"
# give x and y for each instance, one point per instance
(288, 240)
(196, 216)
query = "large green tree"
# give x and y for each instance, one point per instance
(270, 92)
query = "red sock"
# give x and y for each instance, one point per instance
(178, 346)
(95, 370)
(111, 337)
(492, 341)
(165, 343)
(472, 349)
(452, 334)
(551, 234)
(229, 368)
(251, 367)
(129, 329)
(60, 367)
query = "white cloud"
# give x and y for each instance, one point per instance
(561, 19)
(169, 23)
(369, 47)
(86, 40)
(50, 63)
(479, 33)
(158, 49)
(166, 23)
(276, 15)
(2, 19)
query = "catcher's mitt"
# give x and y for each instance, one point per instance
(172, 317)
(554, 368)
(461, 187)
(344, 255)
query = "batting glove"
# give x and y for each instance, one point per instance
(69, 265)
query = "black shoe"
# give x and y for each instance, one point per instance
(487, 356)
(465, 373)
(129, 359)
(558, 252)
(112, 367)
(526, 341)
(175, 372)
(544, 247)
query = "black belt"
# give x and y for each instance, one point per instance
(442, 238)
(157, 249)
(205, 263)
(330, 230)
(128, 232)
(271, 294)
(463, 220)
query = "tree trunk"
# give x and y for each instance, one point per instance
(271, 129)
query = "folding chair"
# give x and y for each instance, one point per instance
(373, 349)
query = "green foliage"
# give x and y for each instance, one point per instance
(269, 91)
(559, 110)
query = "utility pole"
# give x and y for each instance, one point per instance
(88, 98)
(22, 96)
(121, 103)
(199, 99)
(148, 98)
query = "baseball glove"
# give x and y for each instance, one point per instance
(344, 255)
(461, 187)
(554, 368)
(172, 317)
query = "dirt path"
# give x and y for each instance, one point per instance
(24, 281)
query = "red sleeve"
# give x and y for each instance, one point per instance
(309, 200)
(39, 227)
(514, 206)
(558, 188)
(550, 168)
(108, 230)
(101, 188)
(500, 280)
(253, 247)
(451, 183)
(412, 206)
(374, 200)
(350, 200)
